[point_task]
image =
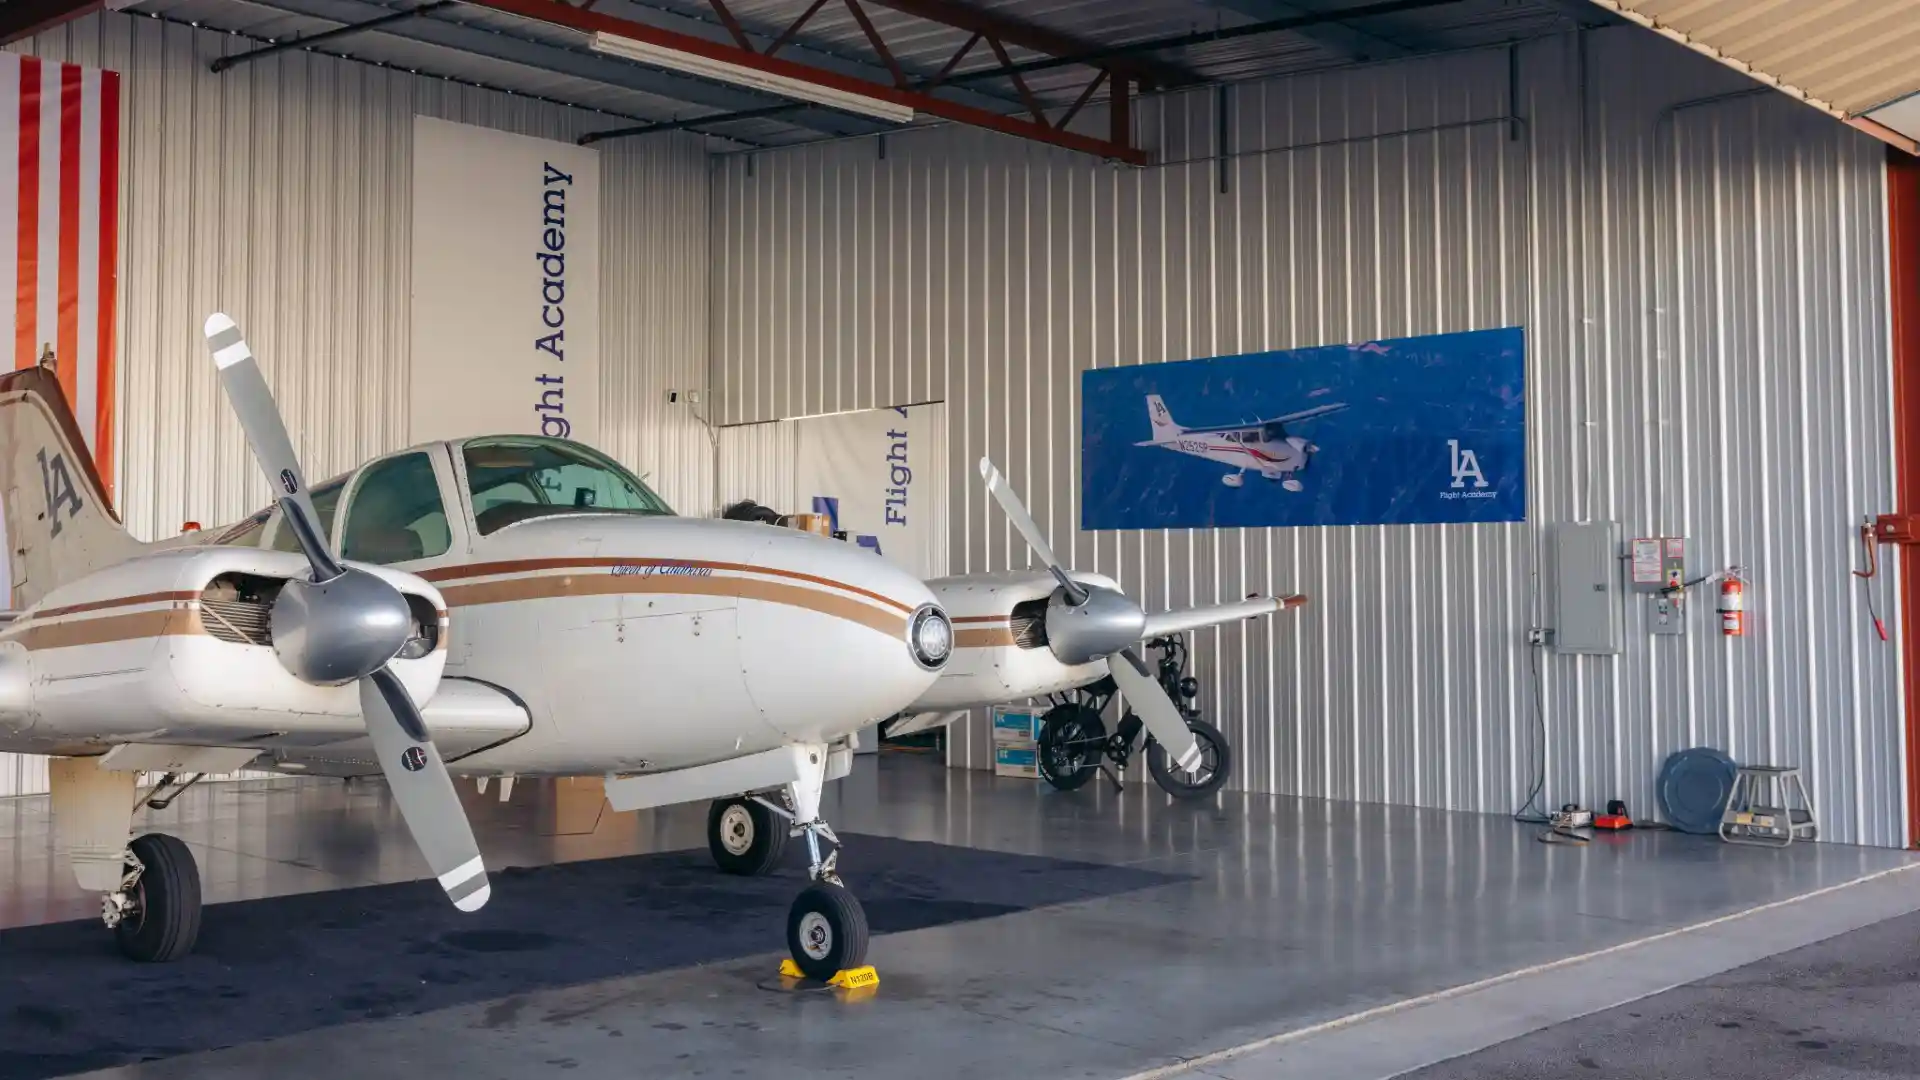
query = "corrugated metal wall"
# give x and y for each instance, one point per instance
(1703, 286)
(281, 192)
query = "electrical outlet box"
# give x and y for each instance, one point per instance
(1583, 561)
(1538, 636)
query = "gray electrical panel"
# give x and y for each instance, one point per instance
(1583, 561)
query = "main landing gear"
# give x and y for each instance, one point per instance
(747, 834)
(149, 884)
(155, 913)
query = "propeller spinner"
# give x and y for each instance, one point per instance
(346, 625)
(1086, 622)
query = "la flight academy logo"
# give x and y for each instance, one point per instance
(1465, 465)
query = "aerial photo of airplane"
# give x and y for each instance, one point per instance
(488, 608)
(1260, 445)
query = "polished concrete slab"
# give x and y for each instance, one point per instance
(1298, 913)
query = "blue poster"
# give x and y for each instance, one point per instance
(1422, 430)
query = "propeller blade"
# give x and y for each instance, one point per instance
(423, 789)
(1002, 492)
(1174, 622)
(253, 402)
(1156, 709)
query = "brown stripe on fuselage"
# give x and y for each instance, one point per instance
(552, 586)
(161, 622)
(982, 639)
(522, 566)
(117, 602)
(982, 619)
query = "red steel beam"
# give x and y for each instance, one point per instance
(1903, 228)
(558, 13)
(1026, 35)
(25, 18)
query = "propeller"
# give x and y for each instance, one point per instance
(346, 625)
(1088, 622)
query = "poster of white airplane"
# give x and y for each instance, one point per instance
(1261, 445)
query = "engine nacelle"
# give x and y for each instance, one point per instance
(174, 647)
(1000, 641)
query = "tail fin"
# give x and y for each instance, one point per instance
(1163, 426)
(58, 523)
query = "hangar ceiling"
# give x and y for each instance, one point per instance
(1856, 59)
(1026, 67)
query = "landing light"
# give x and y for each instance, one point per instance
(930, 636)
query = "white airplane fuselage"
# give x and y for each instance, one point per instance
(574, 644)
(1270, 459)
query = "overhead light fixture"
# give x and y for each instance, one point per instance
(740, 75)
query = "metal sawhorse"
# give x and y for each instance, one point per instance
(1761, 807)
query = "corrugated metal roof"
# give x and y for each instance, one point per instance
(488, 48)
(1848, 57)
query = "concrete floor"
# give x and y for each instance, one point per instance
(1303, 913)
(1839, 1008)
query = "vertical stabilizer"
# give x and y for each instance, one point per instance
(59, 524)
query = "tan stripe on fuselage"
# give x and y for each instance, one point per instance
(176, 620)
(982, 639)
(551, 586)
(523, 566)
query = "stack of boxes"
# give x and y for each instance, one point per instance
(1015, 734)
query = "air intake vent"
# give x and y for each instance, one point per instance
(1029, 624)
(242, 622)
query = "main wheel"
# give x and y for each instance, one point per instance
(1216, 761)
(1072, 738)
(164, 919)
(745, 837)
(826, 931)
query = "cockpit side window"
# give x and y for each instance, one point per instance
(513, 478)
(396, 514)
(1251, 435)
(325, 499)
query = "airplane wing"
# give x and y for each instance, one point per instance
(1304, 414)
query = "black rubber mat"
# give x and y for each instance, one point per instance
(265, 968)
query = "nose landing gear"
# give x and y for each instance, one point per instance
(826, 926)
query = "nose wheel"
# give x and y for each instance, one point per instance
(826, 931)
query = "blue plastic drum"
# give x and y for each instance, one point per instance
(1694, 787)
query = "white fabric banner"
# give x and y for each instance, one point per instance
(506, 284)
(872, 472)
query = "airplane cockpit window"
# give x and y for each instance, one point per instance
(396, 514)
(325, 498)
(517, 477)
(1251, 435)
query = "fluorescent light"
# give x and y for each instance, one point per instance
(740, 75)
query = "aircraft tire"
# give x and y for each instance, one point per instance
(745, 837)
(826, 931)
(1175, 782)
(167, 922)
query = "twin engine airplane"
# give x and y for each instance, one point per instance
(1261, 445)
(494, 607)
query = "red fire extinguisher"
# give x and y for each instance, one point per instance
(1733, 604)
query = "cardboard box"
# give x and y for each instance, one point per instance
(1015, 727)
(1016, 761)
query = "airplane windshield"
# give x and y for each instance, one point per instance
(518, 477)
